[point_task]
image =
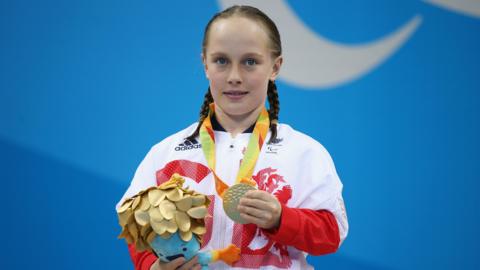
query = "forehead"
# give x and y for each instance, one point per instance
(237, 34)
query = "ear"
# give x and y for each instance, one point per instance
(205, 66)
(277, 63)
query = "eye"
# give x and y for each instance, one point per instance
(221, 61)
(250, 62)
(184, 249)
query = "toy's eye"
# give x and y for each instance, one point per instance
(184, 249)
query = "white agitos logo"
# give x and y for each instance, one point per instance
(314, 62)
(465, 7)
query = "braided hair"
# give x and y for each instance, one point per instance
(273, 110)
(203, 114)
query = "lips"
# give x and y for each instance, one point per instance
(235, 93)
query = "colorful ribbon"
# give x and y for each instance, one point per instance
(207, 139)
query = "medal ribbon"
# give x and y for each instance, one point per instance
(207, 139)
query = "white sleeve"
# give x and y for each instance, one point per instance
(321, 186)
(145, 177)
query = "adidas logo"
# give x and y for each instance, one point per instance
(276, 141)
(188, 145)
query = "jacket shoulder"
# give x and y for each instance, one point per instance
(176, 138)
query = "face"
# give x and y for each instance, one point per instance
(238, 64)
(174, 247)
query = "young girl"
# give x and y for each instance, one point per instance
(297, 206)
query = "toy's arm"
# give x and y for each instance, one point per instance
(204, 258)
(229, 255)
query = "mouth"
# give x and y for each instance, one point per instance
(171, 258)
(235, 94)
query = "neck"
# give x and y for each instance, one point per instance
(235, 124)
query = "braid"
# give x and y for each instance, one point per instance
(203, 114)
(273, 110)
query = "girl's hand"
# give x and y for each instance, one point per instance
(177, 264)
(260, 208)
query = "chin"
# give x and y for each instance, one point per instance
(236, 109)
(236, 112)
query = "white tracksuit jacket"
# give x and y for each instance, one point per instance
(296, 167)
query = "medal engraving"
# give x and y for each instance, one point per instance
(231, 199)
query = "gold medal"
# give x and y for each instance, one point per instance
(231, 199)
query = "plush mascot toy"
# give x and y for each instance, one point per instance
(169, 220)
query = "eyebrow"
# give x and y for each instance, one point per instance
(246, 54)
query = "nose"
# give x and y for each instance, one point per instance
(234, 76)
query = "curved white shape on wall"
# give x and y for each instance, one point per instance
(465, 7)
(312, 61)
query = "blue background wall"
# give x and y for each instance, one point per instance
(87, 87)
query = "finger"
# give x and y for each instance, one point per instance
(255, 212)
(173, 264)
(257, 194)
(256, 203)
(190, 264)
(255, 220)
(264, 196)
